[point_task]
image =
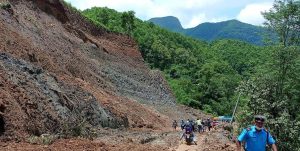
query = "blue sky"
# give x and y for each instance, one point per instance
(189, 12)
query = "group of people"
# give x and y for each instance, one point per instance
(253, 138)
(199, 125)
(190, 126)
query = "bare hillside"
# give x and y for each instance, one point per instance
(57, 68)
(60, 74)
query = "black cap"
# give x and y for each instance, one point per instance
(259, 118)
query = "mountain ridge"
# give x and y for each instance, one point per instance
(209, 31)
(169, 22)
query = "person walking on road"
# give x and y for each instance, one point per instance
(256, 137)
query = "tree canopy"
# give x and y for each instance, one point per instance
(201, 75)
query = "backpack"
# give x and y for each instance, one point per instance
(188, 129)
(267, 144)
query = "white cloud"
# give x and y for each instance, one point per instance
(189, 12)
(252, 13)
(196, 20)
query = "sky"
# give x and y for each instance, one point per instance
(190, 12)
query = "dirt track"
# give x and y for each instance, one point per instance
(209, 141)
(115, 140)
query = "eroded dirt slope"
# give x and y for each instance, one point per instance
(60, 74)
(56, 68)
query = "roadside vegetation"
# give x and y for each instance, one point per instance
(5, 5)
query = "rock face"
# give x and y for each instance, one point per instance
(57, 68)
(34, 101)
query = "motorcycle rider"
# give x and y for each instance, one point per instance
(189, 130)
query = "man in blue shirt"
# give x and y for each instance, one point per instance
(256, 137)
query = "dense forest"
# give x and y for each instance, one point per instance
(201, 75)
(210, 76)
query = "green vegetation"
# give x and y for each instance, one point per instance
(275, 90)
(77, 126)
(45, 139)
(202, 75)
(5, 5)
(169, 22)
(127, 19)
(231, 29)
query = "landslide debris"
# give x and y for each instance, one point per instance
(35, 102)
(63, 77)
(61, 73)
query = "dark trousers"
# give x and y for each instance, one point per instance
(199, 128)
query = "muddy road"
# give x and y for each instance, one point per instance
(136, 140)
(214, 140)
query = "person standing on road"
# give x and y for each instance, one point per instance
(199, 125)
(174, 125)
(182, 124)
(209, 124)
(204, 125)
(193, 125)
(256, 137)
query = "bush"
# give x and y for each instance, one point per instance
(5, 5)
(45, 139)
(78, 127)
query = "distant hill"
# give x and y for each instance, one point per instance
(169, 22)
(231, 29)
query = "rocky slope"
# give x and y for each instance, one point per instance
(58, 69)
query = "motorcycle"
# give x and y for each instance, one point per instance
(189, 139)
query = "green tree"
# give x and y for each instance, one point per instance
(104, 16)
(217, 81)
(274, 90)
(128, 24)
(284, 19)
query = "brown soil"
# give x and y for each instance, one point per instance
(115, 140)
(214, 140)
